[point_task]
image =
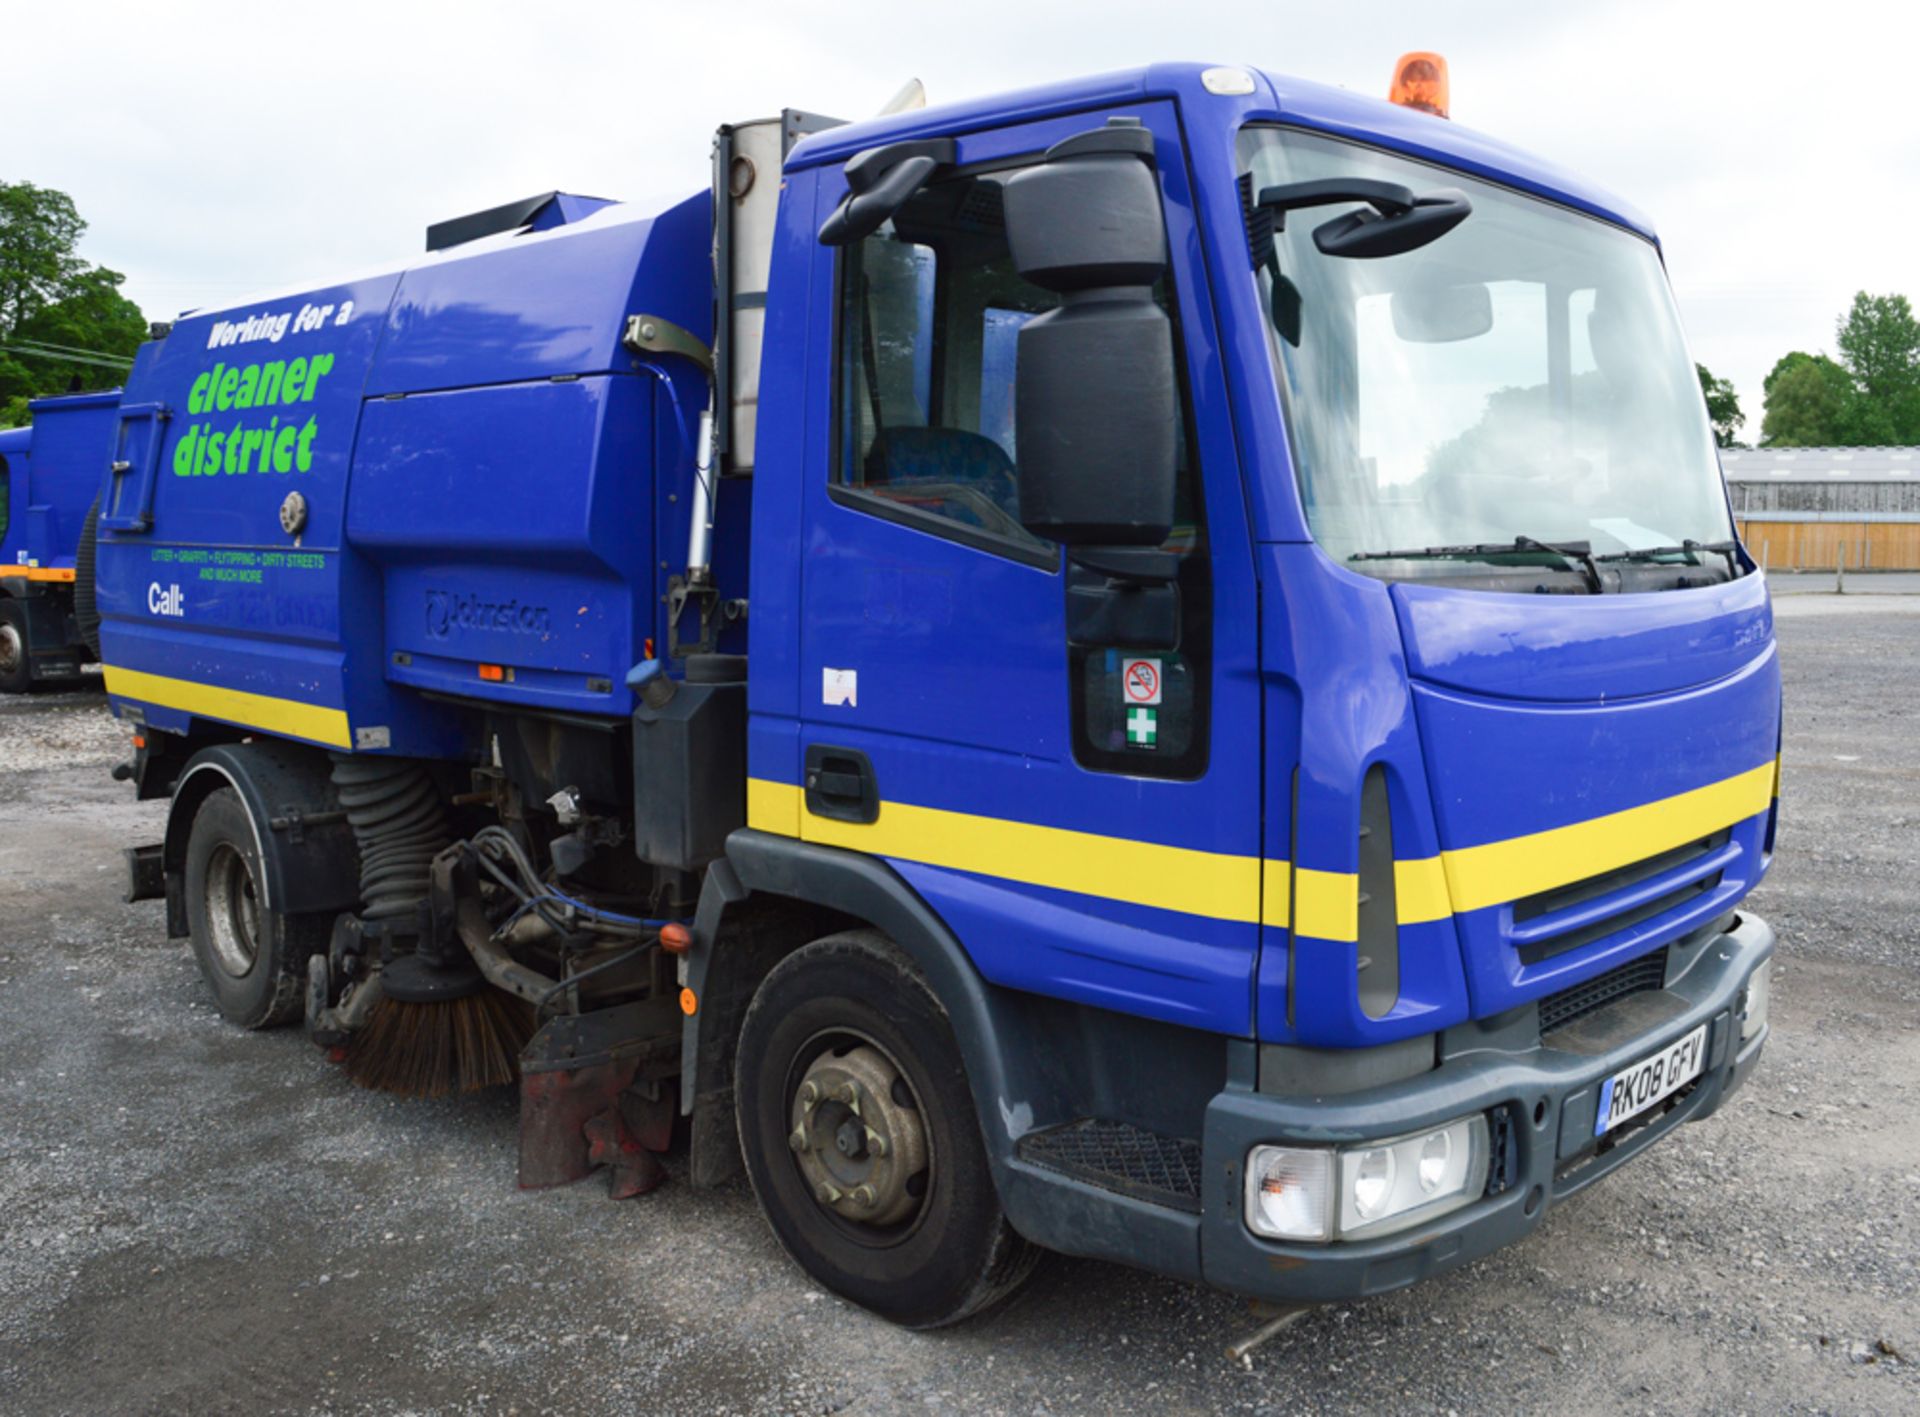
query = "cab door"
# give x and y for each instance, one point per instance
(1085, 819)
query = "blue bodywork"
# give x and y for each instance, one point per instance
(494, 480)
(483, 468)
(54, 469)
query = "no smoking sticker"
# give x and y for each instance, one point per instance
(1140, 681)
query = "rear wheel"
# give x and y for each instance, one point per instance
(861, 1140)
(254, 959)
(16, 662)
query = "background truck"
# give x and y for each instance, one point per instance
(1153, 668)
(50, 473)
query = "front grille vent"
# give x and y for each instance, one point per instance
(1635, 976)
(1623, 879)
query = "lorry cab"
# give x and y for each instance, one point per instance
(1399, 707)
(1211, 714)
(1463, 725)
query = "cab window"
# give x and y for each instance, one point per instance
(930, 309)
(930, 312)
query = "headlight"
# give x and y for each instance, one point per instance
(1304, 1193)
(1753, 1008)
(1373, 1182)
(1436, 1157)
(1289, 1190)
(1390, 1185)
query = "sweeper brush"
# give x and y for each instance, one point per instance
(438, 1030)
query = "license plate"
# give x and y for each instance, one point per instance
(1633, 1090)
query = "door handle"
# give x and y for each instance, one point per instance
(840, 784)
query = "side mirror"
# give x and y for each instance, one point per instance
(1095, 400)
(1442, 314)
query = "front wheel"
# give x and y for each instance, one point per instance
(861, 1140)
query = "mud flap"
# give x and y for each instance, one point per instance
(593, 1093)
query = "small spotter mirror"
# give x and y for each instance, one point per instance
(879, 182)
(1394, 221)
(1365, 234)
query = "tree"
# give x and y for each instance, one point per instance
(1723, 406)
(39, 228)
(1809, 403)
(1879, 342)
(61, 319)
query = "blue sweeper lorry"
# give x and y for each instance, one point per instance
(50, 473)
(1156, 668)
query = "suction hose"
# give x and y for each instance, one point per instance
(399, 826)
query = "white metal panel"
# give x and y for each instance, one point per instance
(753, 186)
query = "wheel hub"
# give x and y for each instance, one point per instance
(858, 1136)
(233, 911)
(12, 652)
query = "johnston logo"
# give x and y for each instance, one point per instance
(448, 611)
(169, 600)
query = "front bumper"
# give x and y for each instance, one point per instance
(1542, 1100)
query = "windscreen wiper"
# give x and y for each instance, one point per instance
(1689, 547)
(1578, 553)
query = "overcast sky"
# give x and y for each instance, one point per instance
(219, 148)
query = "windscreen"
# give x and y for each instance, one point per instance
(1522, 376)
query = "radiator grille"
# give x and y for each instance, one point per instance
(1635, 976)
(1619, 880)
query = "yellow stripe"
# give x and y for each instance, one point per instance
(1501, 871)
(1322, 904)
(1276, 893)
(1420, 891)
(773, 807)
(288, 716)
(1326, 904)
(39, 573)
(1110, 868)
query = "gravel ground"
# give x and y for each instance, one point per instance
(198, 1220)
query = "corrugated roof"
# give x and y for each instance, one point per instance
(1821, 464)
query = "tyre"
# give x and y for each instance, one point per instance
(86, 605)
(16, 661)
(861, 1140)
(253, 959)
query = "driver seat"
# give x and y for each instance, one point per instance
(903, 459)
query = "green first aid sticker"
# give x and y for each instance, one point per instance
(1143, 727)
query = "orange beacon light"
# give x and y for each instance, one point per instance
(1420, 81)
